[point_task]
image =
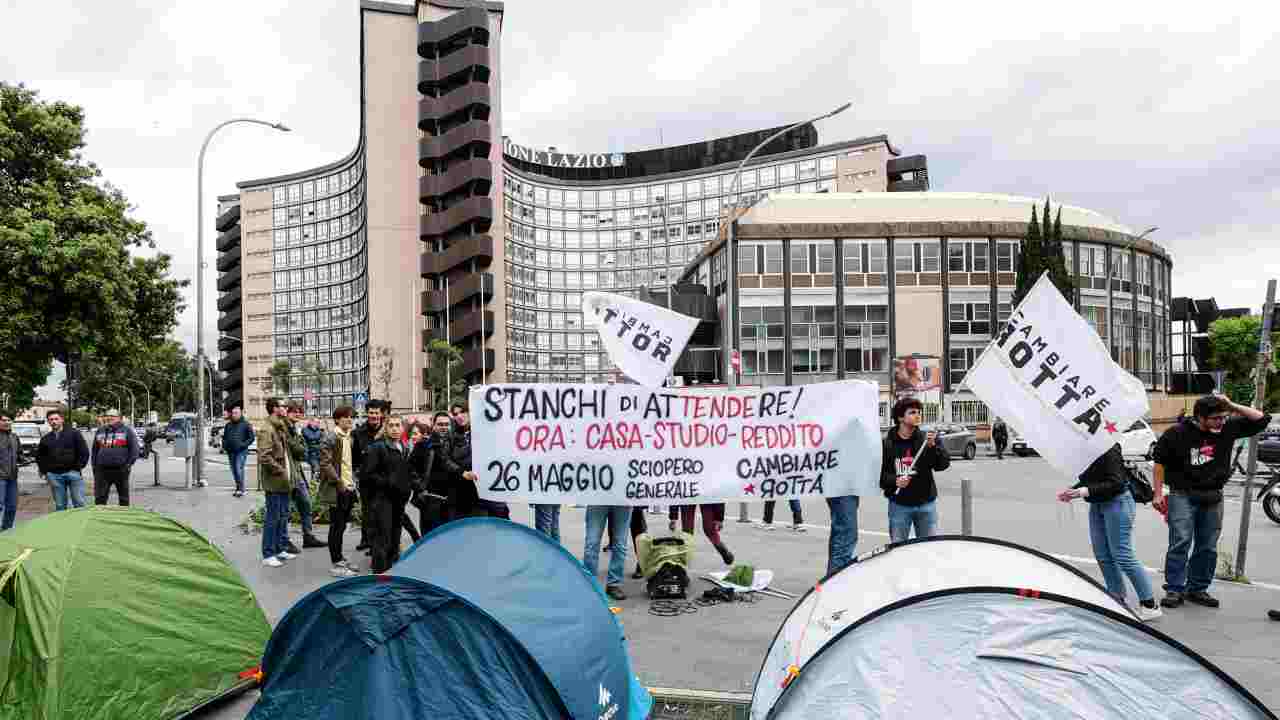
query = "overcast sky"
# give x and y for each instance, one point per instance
(1150, 112)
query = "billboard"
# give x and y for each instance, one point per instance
(918, 376)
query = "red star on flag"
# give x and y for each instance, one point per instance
(1111, 428)
(749, 489)
(1207, 451)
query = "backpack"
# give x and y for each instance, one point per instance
(1138, 485)
(670, 582)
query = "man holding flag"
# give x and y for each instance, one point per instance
(911, 457)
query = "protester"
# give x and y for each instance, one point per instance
(10, 452)
(797, 515)
(301, 493)
(237, 437)
(469, 502)
(362, 437)
(454, 410)
(712, 524)
(61, 457)
(1000, 436)
(618, 518)
(908, 463)
(313, 434)
(338, 487)
(436, 474)
(279, 454)
(843, 510)
(387, 490)
(546, 519)
(115, 449)
(1194, 458)
(1105, 486)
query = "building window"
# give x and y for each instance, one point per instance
(956, 257)
(970, 318)
(799, 258)
(930, 257)
(773, 258)
(876, 260)
(978, 254)
(904, 257)
(852, 256)
(959, 362)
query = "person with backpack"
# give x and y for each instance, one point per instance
(1105, 486)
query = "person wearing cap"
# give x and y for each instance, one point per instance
(115, 450)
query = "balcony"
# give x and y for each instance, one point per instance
(474, 175)
(229, 259)
(230, 361)
(435, 72)
(913, 185)
(476, 212)
(227, 219)
(463, 327)
(229, 279)
(229, 239)
(434, 109)
(229, 322)
(471, 140)
(229, 300)
(466, 25)
(460, 251)
(461, 290)
(471, 364)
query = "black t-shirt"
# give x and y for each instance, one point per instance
(1199, 462)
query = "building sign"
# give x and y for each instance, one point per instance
(562, 160)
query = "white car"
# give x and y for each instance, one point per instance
(1138, 441)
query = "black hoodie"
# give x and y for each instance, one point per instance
(897, 457)
(62, 451)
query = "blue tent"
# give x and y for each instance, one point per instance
(480, 619)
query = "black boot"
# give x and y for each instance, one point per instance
(725, 554)
(311, 541)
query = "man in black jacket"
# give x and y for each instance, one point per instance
(361, 438)
(61, 457)
(436, 475)
(115, 450)
(468, 500)
(910, 459)
(1194, 457)
(237, 436)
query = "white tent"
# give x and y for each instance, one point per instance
(979, 628)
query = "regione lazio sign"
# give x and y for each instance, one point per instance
(1049, 375)
(643, 340)
(630, 445)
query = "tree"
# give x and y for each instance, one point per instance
(165, 368)
(383, 366)
(1233, 348)
(282, 376)
(444, 374)
(69, 287)
(1042, 251)
(313, 374)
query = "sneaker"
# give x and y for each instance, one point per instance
(1149, 614)
(1201, 597)
(286, 555)
(1172, 600)
(238, 493)
(799, 528)
(363, 546)
(340, 570)
(615, 592)
(272, 562)
(768, 527)
(349, 565)
(725, 554)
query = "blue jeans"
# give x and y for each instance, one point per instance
(1111, 533)
(9, 504)
(618, 518)
(903, 517)
(237, 460)
(273, 524)
(1190, 522)
(546, 519)
(844, 532)
(66, 484)
(302, 500)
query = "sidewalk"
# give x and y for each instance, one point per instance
(717, 648)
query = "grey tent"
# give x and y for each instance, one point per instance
(926, 629)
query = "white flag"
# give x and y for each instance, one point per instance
(1050, 376)
(642, 339)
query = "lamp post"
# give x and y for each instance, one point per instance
(145, 389)
(732, 269)
(199, 466)
(731, 263)
(153, 373)
(133, 402)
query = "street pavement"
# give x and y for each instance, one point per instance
(720, 648)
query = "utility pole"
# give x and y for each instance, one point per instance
(1259, 400)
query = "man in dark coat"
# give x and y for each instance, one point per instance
(61, 457)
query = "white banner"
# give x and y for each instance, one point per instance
(1050, 376)
(630, 445)
(642, 339)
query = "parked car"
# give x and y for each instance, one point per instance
(1138, 441)
(1269, 445)
(958, 440)
(1019, 446)
(29, 439)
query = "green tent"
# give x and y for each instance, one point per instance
(116, 612)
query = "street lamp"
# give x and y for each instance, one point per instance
(133, 402)
(153, 373)
(731, 262)
(145, 389)
(199, 466)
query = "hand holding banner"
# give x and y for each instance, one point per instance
(642, 339)
(1051, 376)
(629, 445)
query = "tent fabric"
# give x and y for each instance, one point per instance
(388, 647)
(116, 612)
(544, 597)
(903, 570)
(482, 618)
(997, 653)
